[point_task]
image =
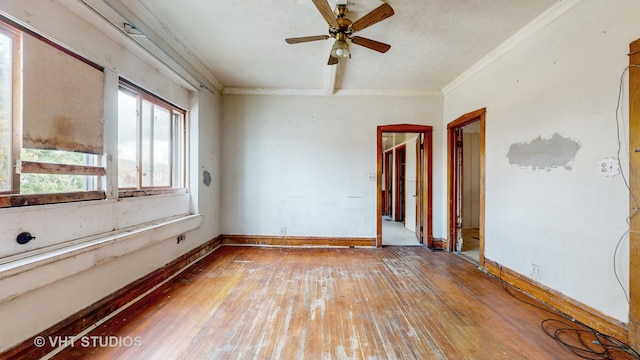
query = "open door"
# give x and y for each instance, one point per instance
(458, 162)
(456, 169)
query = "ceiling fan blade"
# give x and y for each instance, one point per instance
(376, 15)
(332, 60)
(297, 40)
(326, 11)
(371, 44)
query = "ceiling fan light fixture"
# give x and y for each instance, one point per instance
(340, 49)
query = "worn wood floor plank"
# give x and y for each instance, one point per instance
(295, 303)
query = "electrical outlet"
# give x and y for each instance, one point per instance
(283, 231)
(180, 238)
(536, 272)
(609, 167)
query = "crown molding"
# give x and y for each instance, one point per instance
(338, 92)
(537, 24)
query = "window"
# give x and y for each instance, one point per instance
(41, 183)
(51, 108)
(7, 50)
(151, 143)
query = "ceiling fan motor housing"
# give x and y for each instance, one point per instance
(344, 24)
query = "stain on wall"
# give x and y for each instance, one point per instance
(206, 178)
(544, 154)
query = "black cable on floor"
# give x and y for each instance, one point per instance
(578, 338)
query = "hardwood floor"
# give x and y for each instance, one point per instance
(296, 303)
(471, 244)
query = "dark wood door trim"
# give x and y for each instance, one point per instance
(388, 180)
(400, 192)
(419, 225)
(634, 187)
(452, 173)
(427, 132)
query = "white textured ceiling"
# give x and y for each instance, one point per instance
(241, 42)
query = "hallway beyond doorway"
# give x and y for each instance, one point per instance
(471, 244)
(394, 233)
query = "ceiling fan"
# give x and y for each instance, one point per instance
(342, 29)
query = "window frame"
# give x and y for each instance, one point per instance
(14, 125)
(177, 144)
(13, 197)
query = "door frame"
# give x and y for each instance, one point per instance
(453, 173)
(419, 226)
(388, 181)
(427, 196)
(634, 188)
(400, 190)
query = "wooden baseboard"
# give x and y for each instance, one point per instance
(297, 241)
(84, 318)
(439, 244)
(564, 304)
(634, 335)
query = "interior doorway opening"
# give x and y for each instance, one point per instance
(404, 185)
(466, 138)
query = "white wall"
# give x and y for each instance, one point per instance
(205, 136)
(303, 162)
(564, 79)
(79, 281)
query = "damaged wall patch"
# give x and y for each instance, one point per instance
(206, 178)
(544, 154)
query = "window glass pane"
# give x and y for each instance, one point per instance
(6, 75)
(162, 147)
(48, 183)
(57, 157)
(146, 129)
(178, 150)
(51, 183)
(127, 149)
(156, 133)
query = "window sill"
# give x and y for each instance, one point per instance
(16, 200)
(148, 192)
(25, 272)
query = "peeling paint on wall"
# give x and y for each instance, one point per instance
(544, 154)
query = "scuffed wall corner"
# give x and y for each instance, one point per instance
(544, 154)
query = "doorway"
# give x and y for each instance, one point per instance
(404, 185)
(400, 203)
(466, 137)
